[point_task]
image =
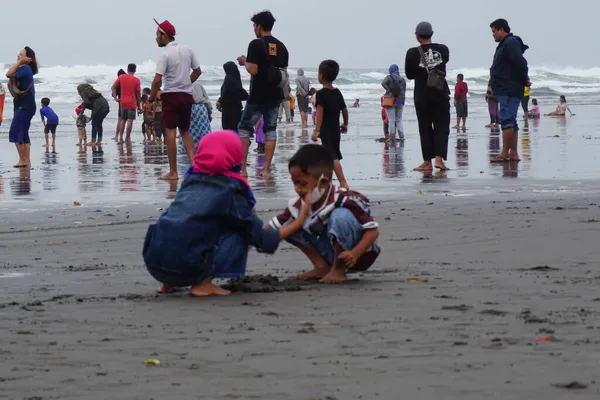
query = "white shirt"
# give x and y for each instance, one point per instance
(175, 65)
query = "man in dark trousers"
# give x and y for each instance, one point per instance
(431, 104)
(508, 75)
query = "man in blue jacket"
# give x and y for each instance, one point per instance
(508, 75)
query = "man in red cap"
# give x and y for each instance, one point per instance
(173, 71)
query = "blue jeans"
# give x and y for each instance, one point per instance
(509, 107)
(343, 227)
(252, 114)
(395, 118)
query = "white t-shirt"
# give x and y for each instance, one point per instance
(175, 65)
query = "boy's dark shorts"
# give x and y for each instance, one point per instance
(50, 128)
(127, 114)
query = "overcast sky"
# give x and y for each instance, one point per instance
(356, 33)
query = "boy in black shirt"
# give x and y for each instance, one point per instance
(330, 103)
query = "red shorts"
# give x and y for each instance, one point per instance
(177, 110)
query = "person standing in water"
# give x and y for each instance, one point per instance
(130, 101)
(460, 101)
(509, 74)
(94, 101)
(119, 73)
(525, 102)
(302, 96)
(432, 104)
(22, 88)
(178, 67)
(50, 121)
(395, 85)
(2, 97)
(266, 57)
(232, 95)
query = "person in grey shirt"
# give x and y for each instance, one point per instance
(395, 85)
(302, 89)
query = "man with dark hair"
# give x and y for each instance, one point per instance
(266, 61)
(432, 103)
(179, 68)
(508, 75)
(129, 100)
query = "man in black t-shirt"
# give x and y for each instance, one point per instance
(267, 57)
(432, 105)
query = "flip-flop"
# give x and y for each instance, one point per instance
(514, 160)
(444, 168)
(499, 159)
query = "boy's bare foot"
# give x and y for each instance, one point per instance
(91, 144)
(169, 177)
(207, 288)
(165, 288)
(336, 275)
(45, 145)
(313, 275)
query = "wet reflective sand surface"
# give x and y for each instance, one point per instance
(556, 154)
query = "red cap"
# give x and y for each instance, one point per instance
(166, 27)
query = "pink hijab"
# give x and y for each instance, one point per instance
(220, 153)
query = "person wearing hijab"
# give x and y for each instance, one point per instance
(395, 85)
(232, 95)
(201, 115)
(206, 231)
(94, 101)
(302, 89)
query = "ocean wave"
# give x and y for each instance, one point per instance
(60, 82)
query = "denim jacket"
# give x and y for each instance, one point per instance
(509, 72)
(205, 207)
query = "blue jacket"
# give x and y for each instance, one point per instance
(184, 240)
(509, 72)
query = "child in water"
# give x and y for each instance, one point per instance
(330, 103)
(260, 136)
(81, 122)
(386, 122)
(561, 109)
(535, 110)
(356, 103)
(206, 231)
(49, 120)
(339, 234)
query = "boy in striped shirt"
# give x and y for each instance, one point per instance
(339, 235)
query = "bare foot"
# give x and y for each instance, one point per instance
(336, 275)
(91, 144)
(169, 177)
(312, 275)
(266, 173)
(442, 167)
(45, 145)
(208, 289)
(164, 288)
(455, 127)
(426, 166)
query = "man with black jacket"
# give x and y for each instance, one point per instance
(508, 75)
(431, 104)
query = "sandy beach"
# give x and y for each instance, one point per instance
(483, 297)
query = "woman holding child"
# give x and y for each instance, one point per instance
(22, 88)
(94, 101)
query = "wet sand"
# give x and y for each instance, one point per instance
(473, 297)
(556, 153)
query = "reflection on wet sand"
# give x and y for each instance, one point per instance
(130, 172)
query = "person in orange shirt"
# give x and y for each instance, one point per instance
(2, 96)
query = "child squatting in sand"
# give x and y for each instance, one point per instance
(339, 234)
(206, 231)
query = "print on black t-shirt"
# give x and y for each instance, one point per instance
(260, 90)
(436, 56)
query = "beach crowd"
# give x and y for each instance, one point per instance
(331, 225)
